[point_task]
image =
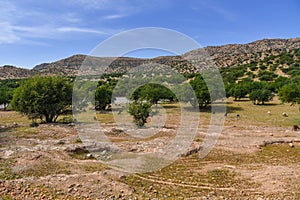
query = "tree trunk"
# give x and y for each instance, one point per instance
(49, 118)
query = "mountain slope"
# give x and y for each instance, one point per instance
(236, 54)
(231, 55)
(223, 56)
(12, 72)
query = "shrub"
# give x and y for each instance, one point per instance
(140, 110)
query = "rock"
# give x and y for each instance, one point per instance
(291, 145)
(89, 156)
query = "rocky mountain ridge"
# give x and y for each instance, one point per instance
(223, 56)
(12, 72)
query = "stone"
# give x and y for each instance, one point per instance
(89, 156)
(291, 145)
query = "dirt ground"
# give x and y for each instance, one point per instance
(248, 162)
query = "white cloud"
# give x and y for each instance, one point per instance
(20, 21)
(80, 30)
(70, 18)
(10, 34)
(122, 7)
(218, 9)
(117, 16)
(97, 4)
(7, 34)
(6, 10)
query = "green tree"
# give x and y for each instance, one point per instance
(184, 92)
(7, 88)
(153, 93)
(280, 82)
(83, 93)
(5, 96)
(290, 94)
(261, 95)
(264, 75)
(238, 91)
(103, 97)
(140, 111)
(47, 97)
(201, 92)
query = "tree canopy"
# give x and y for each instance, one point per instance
(5, 96)
(238, 91)
(153, 93)
(47, 97)
(201, 92)
(7, 88)
(261, 96)
(103, 96)
(290, 94)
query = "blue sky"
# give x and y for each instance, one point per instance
(33, 32)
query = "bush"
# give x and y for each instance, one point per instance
(140, 110)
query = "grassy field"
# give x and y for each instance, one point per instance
(250, 114)
(258, 114)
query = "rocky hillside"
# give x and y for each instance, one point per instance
(223, 56)
(237, 54)
(71, 65)
(12, 72)
(231, 55)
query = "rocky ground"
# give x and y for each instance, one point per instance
(51, 162)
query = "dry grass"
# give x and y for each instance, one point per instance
(191, 177)
(257, 115)
(9, 117)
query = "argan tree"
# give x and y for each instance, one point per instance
(5, 96)
(47, 97)
(262, 95)
(153, 93)
(290, 94)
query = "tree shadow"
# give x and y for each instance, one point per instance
(241, 100)
(169, 106)
(209, 109)
(231, 109)
(267, 104)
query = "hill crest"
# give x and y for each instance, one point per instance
(229, 55)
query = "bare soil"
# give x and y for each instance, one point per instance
(50, 162)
